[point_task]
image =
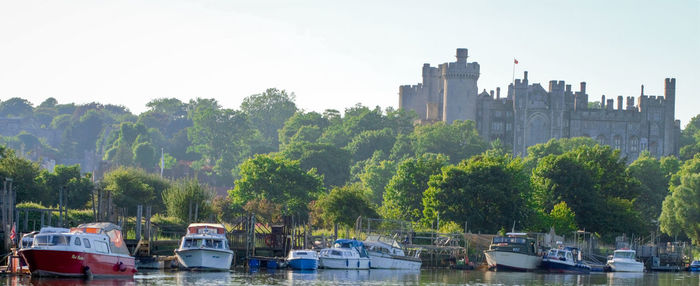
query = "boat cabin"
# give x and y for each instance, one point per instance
(205, 235)
(514, 242)
(625, 254)
(90, 238)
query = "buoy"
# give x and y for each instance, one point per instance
(87, 272)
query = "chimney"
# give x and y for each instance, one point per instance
(619, 102)
(498, 93)
(491, 93)
(583, 87)
(602, 98)
(568, 88)
(525, 75)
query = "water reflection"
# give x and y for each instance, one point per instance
(371, 277)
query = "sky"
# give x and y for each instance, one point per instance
(335, 54)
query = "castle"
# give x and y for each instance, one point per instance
(530, 114)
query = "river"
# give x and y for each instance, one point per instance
(373, 277)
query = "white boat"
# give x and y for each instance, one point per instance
(205, 247)
(515, 251)
(345, 254)
(386, 253)
(624, 260)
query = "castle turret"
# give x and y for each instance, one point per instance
(460, 89)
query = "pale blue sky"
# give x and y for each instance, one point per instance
(335, 54)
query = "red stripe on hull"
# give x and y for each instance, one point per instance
(44, 262)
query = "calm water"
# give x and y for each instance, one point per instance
(375, 277)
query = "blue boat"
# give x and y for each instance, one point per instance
(566, 260)
(694, 266)
(303, 260)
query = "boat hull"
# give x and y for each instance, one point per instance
(512, 261)
(205, 259)
(43, 262)
(303, 263)
(617, 266)
(344, 263)
(383, 261)
(556, 266)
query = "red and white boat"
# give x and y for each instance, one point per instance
(92, 249)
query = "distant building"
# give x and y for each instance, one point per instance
(530, 114)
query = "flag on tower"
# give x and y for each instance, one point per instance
(515, 61)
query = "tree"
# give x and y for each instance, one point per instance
(653, 187)
(458, 140)
(77, 189)
(184, 196)
(342, 205)
(329, 161)
(367, 142)
(314, 121)
(375, 177)
(563, 219)
(23, 174)
(131, 187)
(16, 107)
(680, 212)
(554, 147)
(145, 156)
(278, 180)
(487, 191)
(49, 103)
(594, 184)
(403, 198)
(268, 111)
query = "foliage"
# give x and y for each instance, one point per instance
(342, 205)
(486, 191)
(280, 181)
(268, 111)
(681, 208)
(15, 107)
(23, 173)
(653, 186)
(131, 187)
(367, 142)
(329, 161)
(269, 212)
(554, 147)
(403, 198)
(594, 184)
(77, 189)
(562, 218)
(375, 177)
(458, 140)
(184, 196)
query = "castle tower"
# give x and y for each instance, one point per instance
(460, 89)
(671, 144)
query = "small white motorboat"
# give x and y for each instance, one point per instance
(345, 254)
(205, 247)
(624, 260)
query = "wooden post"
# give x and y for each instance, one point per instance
(189, 214)
(26, 220)
(50, 212)
(60, 206)
(148, 223)
(99, 205)
(196, 212)
(139, 210)
(94, 211)
(42, 218)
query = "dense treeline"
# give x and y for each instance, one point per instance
(277, 160)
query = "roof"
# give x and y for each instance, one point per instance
(104, 226)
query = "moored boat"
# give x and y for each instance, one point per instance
(515, 252)
(566, 260)
(92, 250)
(303, 259)
(386, 253)
(345, 254)
(694, 266)
(205, 247)
(624, 260)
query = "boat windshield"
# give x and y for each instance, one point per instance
(205, 243)
(508, 240)
(624, 254)
(51, 240)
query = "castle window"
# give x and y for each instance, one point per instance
(508, 126)
(617, 142)
(644, 145)
(634, 143)
(601, 139)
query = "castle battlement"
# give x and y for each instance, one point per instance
(530, 114)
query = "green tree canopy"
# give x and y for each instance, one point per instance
(342, 205)
(77, 189)
(329, 161)
(131, 187)
(403, 198)
(458, 140)
(279, 180)
(486, 191)
(268, 111)
(653, 187)
(184, 196)
(681, 209)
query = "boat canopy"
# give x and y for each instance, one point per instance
(113, 231)
(206, 228)
(348, 243)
